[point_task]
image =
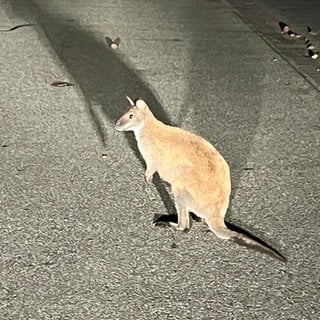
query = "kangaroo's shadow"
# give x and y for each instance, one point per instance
(103, 77)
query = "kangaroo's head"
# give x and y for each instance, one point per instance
(134, 119)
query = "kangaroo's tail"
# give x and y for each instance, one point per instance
(243, 238)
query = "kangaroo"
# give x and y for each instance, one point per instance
(198, 174)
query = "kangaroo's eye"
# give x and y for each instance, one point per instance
(130, 115)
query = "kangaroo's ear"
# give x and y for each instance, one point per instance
(141, 104)
(130, 101)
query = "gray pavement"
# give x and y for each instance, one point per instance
(77, 239)
(264, 16)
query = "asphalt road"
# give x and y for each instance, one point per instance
(76, 233)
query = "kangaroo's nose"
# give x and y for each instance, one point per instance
(118, 125)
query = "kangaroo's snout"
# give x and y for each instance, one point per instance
(118, 125)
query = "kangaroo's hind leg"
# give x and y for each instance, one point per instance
(183, 223)
(182, 211)
(183, 219)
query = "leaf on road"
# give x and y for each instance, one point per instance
(61, 84)
(113, 44)
(17, 27)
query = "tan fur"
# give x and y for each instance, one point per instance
(198, 174)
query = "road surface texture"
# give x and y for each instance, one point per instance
(76, 234)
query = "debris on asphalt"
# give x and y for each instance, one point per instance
(61, 84)
(312, 32)
(285, 29)
(309, 45)
(311, 49)
(174, 245)
(17, 27)
(113, 44)
(313, 54)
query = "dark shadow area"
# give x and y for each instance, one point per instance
(163, 221)
(100, 73)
